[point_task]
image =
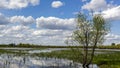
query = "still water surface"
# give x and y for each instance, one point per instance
(12, 61)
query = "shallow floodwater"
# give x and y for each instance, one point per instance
(47, 50)
(27, 61)
(14, 61)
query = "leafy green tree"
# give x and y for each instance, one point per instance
(89, 33)
(113, 44)
(12, 45)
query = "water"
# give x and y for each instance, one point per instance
(16, 48)
(14, 61)
(47, 50)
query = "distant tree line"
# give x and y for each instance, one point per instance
(18, 45)
(113, 46)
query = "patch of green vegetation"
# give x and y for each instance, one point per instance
(110, 66)
(2, 51)
(67, 54)
(112, 60)
(109, 47)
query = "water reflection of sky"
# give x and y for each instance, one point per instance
(11, 61)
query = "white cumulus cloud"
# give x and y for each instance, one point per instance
(23, 20)
(53, 30)
(17, 4)
(112, 14)
(112, 38)
(3, 19)
(109, 10)
(56, 4)
(55, 23)
(96, 5)
(48, 32)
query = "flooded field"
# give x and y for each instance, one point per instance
(9, 60)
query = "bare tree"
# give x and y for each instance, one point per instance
(89, 33)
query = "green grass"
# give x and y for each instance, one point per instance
(2, 51)
(109, 60)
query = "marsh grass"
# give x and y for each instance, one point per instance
(108, 60)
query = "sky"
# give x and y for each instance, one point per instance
(50, 22)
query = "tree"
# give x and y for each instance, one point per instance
(89, 33)
(12, 44)
(113, 44)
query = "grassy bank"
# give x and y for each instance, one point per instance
(109, 60)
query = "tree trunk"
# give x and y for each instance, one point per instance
(93, 50)
(92, 56)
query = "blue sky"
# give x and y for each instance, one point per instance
(51, 21)
(45, 9)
